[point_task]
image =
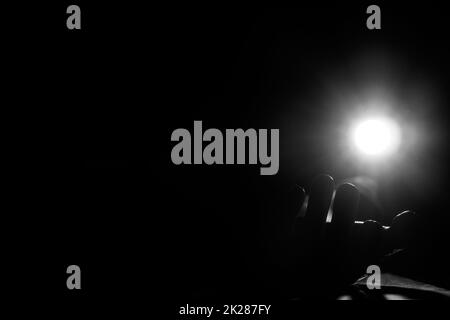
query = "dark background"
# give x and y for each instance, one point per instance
(94, 110)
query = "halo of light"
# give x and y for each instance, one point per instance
(376, 137)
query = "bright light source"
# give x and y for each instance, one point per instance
(376, 137)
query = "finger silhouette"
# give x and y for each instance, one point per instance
(308, 231)
(371, 241)
(345, 208)
(403, 230)
(318, 204)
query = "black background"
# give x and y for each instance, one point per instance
(93, 111)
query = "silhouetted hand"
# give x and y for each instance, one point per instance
(330, 250)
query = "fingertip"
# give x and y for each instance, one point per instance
(403, 229)
(344, 212)
(348, 187)
(295, 198)
(347, 193)
(322, 181)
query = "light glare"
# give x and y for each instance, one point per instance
(376, 137)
